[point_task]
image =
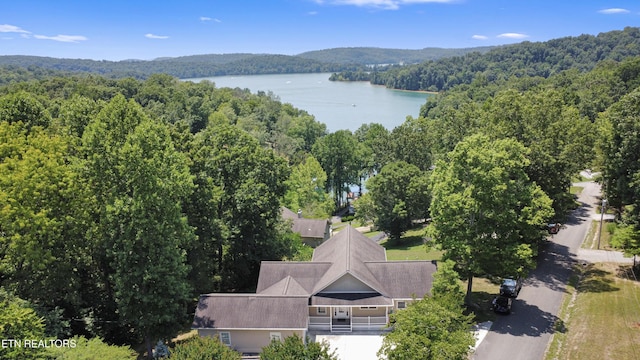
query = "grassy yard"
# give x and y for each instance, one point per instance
(600, 315)
(411, 247)
(482, 293)
(591, 240)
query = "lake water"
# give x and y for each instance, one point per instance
(340, 105)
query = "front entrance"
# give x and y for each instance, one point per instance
(341, 313)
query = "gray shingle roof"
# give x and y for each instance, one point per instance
(401, 279)
(286, 289)
(307, 228)
(286, 286)
(305, 273)
(248, 311)
(348, 251)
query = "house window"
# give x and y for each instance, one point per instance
(321, 311)
(225, 337)
(402, 304)
(275, 336)
(368, 307)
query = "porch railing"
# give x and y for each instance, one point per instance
(368, 322)
(356, 323)
(319, 323)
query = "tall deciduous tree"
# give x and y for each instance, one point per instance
(236, 207)
(41, 213)
(400, 194)
(487, 214)
(305, 189)
(620, 147)
(338, 155)
(138, 181)
(149, 233)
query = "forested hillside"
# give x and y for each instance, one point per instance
(122, 200)
(524, 59)
(378, 56)
(330, 60)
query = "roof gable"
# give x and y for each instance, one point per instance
(348, 251)
(286, 286)
(305, 273)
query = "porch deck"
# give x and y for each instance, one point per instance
(347, 325)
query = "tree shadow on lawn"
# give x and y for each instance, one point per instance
(595, 280)
(404, 243)
(527, 320)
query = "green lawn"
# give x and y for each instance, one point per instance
(591, 240)
(600, 316)
(411, 247)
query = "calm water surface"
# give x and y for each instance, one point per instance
(340, 105)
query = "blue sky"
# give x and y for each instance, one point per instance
(141, 29)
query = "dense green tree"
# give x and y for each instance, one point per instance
(377, 141)
(400, 194)
(18, 321)
(559, 140)
(429, 328)
(627, 238)
(294, 348)
(203, 348)
(410, 142)
(338, 155)
(89, 349)
(24, 107)
(487, 214)
(149, 233)
(138, 181)
(446, 284)
(41, 217)
(620, 147)
(235, 208)
(305, 189)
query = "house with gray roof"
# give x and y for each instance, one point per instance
(312, 231)
(348, 285)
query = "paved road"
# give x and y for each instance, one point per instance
(525, 333)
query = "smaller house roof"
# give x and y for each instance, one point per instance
(307, 228)
(251, 311)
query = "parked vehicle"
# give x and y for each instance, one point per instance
(502, 304)
(553, 228)
(511, 287)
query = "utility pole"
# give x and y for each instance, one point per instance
(604, 204)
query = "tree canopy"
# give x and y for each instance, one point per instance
(487, 216)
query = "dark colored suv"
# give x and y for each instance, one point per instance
(510, 287)
(502, 304)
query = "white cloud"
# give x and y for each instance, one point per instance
(479, 37)
(381, 4)
(6, 28)
(62, 38)
(614, 11)
(206, 18)
(312, 13)
(513, 36)
(152, 36)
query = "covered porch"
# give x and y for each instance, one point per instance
(349, 312)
